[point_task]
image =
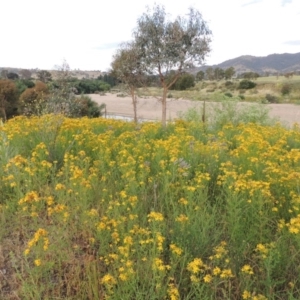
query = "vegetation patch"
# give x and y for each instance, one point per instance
(98, 208)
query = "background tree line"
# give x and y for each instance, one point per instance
(21, 94)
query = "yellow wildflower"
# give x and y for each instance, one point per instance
(37, 262)
(247, 269)
(195, 265)
(155, 216)
(108, 279)
(208, 278)
(246, 295)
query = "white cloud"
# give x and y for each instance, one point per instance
(86, 33)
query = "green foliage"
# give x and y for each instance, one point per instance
(23, 84)
(33, 99)
(8, 99)
(271, 98)
(185, 81)
(190, 38)
(229, 84)
(229, 72)
(88, 108)
(109, 79)
(44, 76)
(250, 75)
(219, 73)
(230, 111)
(200, 75)
(286, 89)
(12, 76)
(229, 95)
(246, 84)
(210, 74)
(90, 86)
(109, 209)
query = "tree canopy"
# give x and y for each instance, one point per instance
(8, 99)
(126, 66)
(171, 45)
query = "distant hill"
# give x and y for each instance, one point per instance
(73, 73)
(274, 63)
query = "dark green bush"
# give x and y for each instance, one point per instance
(228, 95)
(246, 84)
(184, 82)
(89, 108)
(229, 83)
(286, 89)
(271, 98)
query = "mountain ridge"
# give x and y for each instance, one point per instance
(273, 63)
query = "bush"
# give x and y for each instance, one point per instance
(230, 111)
(210, 90)
(228, 95)
(88, 108)
(229, 84)
(246, 84)
(271, 98)
(286, 89)
(242, 97)
(34, 98)
(184, 82)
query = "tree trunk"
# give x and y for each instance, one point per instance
(134, 103)
(164, 107)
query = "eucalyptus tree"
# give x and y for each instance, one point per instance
(167, 45)
(127, 68)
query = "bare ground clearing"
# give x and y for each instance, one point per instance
(150, 108)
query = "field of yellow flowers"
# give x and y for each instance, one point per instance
(106, 209)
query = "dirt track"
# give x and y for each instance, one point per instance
(150, 108)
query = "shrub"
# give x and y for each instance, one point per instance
(246, 84)
(271, 98)
(121, 95)
(242, 97)
(184, 82)
(89, 108)
(33, 99)
(228, 95)
(230, 111)
(210, 90)
(286, 89)
(229, 84)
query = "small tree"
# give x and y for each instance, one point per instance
(8, 99)
(210, 73)
(62, 93)
(33, 99)
(229, 72)
(26, 74)
(126, 67)
(246, 84)
(3, 74)
(12, 76)
(184, 82)
(44, 76)
(219, 73)
(171, 45)
(200, 75)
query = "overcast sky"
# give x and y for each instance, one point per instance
(41, 33)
